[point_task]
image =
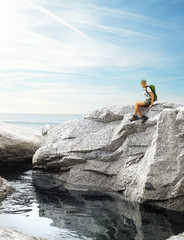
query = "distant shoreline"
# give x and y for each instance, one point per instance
(36, 121)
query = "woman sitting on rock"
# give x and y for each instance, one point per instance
(148, 102)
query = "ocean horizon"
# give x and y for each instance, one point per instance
(37, 121)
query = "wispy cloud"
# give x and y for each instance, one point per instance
(34, 51)
(134, 17)
(120, 31)
(87, 12)
(54, 17)
(66, 56)
(37, 50)
(60, 98)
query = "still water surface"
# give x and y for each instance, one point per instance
(21, 211)
(74, 216)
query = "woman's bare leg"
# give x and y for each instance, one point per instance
(137, 109)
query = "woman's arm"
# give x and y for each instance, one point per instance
(152, 99)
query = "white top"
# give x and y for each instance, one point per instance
(148, 96)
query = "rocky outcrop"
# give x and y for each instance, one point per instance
(17, 144)
(104, 150)
(9, 234)
(5, 188)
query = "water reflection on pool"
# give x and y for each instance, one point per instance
(82, 215)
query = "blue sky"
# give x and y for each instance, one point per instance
(71, 56)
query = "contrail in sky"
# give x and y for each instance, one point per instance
(54, 17)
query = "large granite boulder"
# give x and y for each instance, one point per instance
(17, 144)
(104, 150)
(9, 234)
(5, 188)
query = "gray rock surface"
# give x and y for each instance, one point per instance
(104, 150)
(17, 144)
(5, 188)
(9, 234)
(177, 237)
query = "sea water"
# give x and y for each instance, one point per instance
(77, 215)
(37, 121)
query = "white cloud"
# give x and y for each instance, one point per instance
(55, 99)
(86, 13)
(120, 31)
(33, 51)
(170, 79)
(54, 17)
(134, 17)
(28, 49)
(73, 41)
